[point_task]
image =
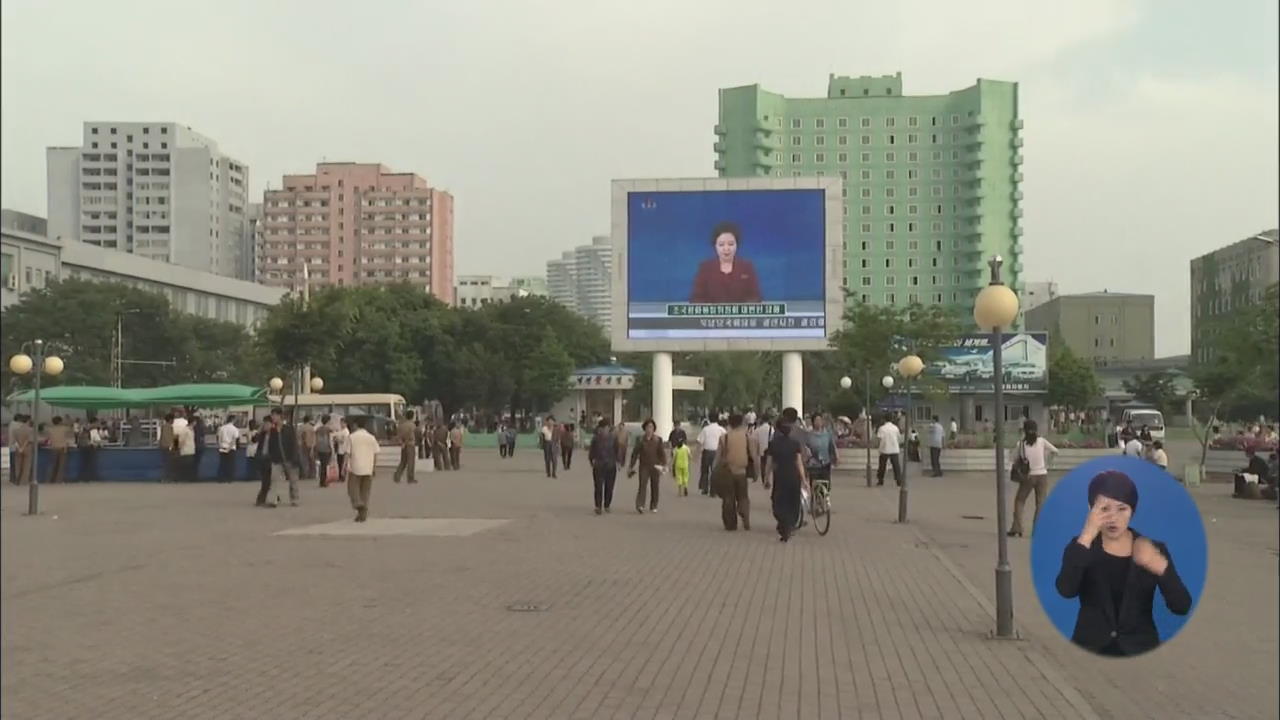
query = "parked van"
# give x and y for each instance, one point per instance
(1152, 418)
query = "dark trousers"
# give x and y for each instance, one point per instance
(323, 471)
(194, 462)
(566, 455)
(935, 460)
(342, 466)
(648, 479)
(188, 468)
(407, 463)
(734, 502)
(13, 467)
(58, 472)
(704, 477)
(263, 469)
(502, 448)
(511, 448)
(549, 458)
(604, 478)
(896, 461)
(226, 466)
(422, 450)
(171, 472)
(439, 456)
(88, 464)
(455, 458)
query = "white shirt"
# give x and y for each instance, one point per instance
(750, 418)
(185, 436)
(763, 433)
(342, 441)
(953, 426)
(228, 436)
(709, 437)
(890, 438)
(547, 432)
(1133, 448)
(1160, 457)
(95, 437)
(1038, 455)
(363, 452)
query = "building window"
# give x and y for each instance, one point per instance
(820, 140)
(865, 157)
(866, 139)
(913, 121)
(865, 174)
(890, 121)
(889, 298)
(820, 157)
(866, 281)
(864, 122)
(796, 140)
(890, 281)
(796, 123)
(842, 158)
(866, 193)
(820, 124)
(890, 157)
(795, 158)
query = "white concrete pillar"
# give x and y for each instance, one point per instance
(617, 406)
(793, 382)
(662, 393)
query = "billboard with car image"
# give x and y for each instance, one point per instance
(965, 366)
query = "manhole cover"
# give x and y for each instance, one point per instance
(973, 517)
(527, 607)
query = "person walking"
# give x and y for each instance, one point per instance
(406, 434)
(890, 440)
(324, 449)
(364, 456)
(763, 432)
(184, 437)
(651, 456)
(954, 430)
(419, 439)
(936, 441)
(285, 458)
(1033, 455)
(255, 452)
(60, 440)
(681, 457)
(622, 442)
(784, 474)
(603, 456)
(307, 448)
(733, 460)
(708, 441)
(342, 447)
(440, 446)
(455, 445)
(168, 446)
(228, 441)
(567, 440)
(549, 441)
(198, 431)
(14, 424)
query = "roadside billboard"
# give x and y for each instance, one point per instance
(965, 367)
(726, 264)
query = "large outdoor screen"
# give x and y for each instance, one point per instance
(726, 264)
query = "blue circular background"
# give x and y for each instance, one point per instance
(1166, 512)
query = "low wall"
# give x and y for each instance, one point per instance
(975, 460)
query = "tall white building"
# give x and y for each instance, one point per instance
(476, 290)
(158, 190)
(1034, 294)
(582, 280)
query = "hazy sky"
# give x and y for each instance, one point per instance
(1151, 127)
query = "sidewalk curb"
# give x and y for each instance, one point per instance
(1039, 661)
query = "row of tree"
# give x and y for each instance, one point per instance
(520, 354)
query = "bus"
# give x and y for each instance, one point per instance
(381, 410)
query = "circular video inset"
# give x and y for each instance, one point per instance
(1118, 556)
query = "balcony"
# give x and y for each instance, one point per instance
(720, 129)
(1016, 142)
(1016, 124)
(1017, 158)
(719, 164)
(1016, 213)
(718, 146)
(767, 141)
(1017, 231)
(1016, 195)
(1016, 178)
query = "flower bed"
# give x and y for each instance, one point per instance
(1240, 444)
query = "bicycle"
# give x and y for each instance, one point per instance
(820, 499)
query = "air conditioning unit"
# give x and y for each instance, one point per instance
(11, 282)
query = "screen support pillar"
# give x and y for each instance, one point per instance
(793, 382)
(662, 393)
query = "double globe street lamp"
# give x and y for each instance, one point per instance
(277, 385)
(909, 367)
(50, 365)
(995, 309)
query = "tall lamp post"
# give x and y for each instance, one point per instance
(887, 383)
(846, 382)
(995, 309)
(909, 368)
(40, 364)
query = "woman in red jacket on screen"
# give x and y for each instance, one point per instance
(726, 278)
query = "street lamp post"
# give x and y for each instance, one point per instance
(909, 367)
(995, 308)
(887, 383)
(846, 382)
(40, 364)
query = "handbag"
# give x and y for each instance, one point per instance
(1021, 470)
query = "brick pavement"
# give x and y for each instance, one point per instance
(1221, 665)
(175, 601)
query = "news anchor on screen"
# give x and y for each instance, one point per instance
(1115, 571)
(726, 278)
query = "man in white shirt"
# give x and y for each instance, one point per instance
(1133, 448)
(185, 438)
(764, 435)
(890, 438)
(228, 439)
(364, 454)
(97, 437)
(708, 441)
(750, 418)
(954, 429)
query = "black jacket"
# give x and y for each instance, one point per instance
(288, 445)
(603, 453)
(1134, 631)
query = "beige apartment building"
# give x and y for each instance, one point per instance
(1227, 279)
(1103, 327)
(357, 224)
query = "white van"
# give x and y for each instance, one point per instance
(1152, 418)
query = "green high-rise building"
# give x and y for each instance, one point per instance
(931, 183)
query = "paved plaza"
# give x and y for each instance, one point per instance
(494, 592)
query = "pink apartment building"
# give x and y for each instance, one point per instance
(357, 224)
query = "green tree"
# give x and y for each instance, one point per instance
(1072, 381)
(1156, 388)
